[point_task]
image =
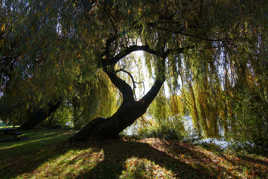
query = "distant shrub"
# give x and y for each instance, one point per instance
(166, 129)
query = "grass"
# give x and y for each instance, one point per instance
(45, 154)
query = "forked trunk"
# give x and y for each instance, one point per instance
(128, 112)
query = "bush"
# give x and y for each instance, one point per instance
(166, 129)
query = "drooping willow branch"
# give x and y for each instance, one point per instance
(182, 31)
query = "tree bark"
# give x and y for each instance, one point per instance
(39, 115)
(128, 112)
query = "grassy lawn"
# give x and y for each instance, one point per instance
(45, 154)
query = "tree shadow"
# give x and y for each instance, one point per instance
(118, 152)
(204, 159)
(25, 137)
(184, 161)
(33, 152)
(254, 160)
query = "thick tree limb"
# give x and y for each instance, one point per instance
(130, 109)
(123, 87)
(127, 113)
(127, 51)
(151, 94)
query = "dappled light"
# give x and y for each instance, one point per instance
(70, 164)
(133, 89)
(125, 158)
(143, 168)
(39, 137)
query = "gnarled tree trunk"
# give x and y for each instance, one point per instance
(128, 112)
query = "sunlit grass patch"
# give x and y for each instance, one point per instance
(35, 147)
(4, 127)
(33, 140)
(70, 164)
(45, 154)
(143, 168)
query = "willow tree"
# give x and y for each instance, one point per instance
(41, 59)
(181, 35)
(182, 40)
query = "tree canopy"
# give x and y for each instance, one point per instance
(211, 53)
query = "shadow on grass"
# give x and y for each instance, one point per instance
(27, 154)
(31, 135)
(254, 160)
(116, 154)
(106, 159)
(201, 158)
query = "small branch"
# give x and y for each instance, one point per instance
(129, 74)
(133, 80)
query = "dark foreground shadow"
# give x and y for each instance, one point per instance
(254, 160)
(183, 161)
(118, 152)
(115, 154)
(27, 154)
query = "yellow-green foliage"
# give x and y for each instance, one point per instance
(98, 97)
(218, 67)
